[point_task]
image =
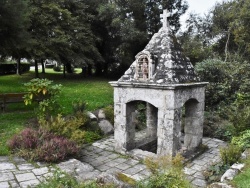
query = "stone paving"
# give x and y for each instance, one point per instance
(101, 158)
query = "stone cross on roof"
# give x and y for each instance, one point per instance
(165, 16)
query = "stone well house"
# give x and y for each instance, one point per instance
(165, 79)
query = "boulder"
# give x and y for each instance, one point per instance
(92, 116)
(229, 175)
(101, 114)
(106, 127)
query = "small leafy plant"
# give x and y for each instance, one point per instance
(215, 171)
(166, 172)
(48, 93)
(231, 154)
(243, 140)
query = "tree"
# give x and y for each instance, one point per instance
(60, 30)
(13, 29)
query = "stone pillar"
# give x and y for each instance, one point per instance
(124, 133)
(169, 132)
(193, 124)
(151, 121)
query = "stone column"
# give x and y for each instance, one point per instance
(193, 124)
(151, 121)
(124, 129)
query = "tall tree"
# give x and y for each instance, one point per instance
(60, 30)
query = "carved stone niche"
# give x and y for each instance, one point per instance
(145, 66)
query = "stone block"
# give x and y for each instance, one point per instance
(6, 176)
(229, 175)
(30, 183)
(106, 127)
(25, 177)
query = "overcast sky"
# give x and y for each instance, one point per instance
(198, 6)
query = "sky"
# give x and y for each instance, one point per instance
(198, 6)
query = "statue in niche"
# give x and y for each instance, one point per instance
(145, 68)
(142, 69)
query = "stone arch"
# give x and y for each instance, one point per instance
(193, 123)
(146, 139)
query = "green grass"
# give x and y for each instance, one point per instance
(242, 180)
(95, 91)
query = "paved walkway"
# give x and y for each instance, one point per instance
(100, 158)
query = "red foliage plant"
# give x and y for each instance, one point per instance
(43, 145)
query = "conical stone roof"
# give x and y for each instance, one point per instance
(164, 63)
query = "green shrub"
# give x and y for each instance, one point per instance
(170, 178)
(57, 68)
(70, 127)
(225, 79)
(240, 113)
(109, 113)
(45, 90)
(230, 154)
(166, 172)
(243, 140)
(64, 180)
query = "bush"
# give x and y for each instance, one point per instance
(11, 68)
(166, 172)
(69, 127)
(45, 90)
(243, 140)
(225, 79)
(214, 172)
(230, 155)
(61, 179)
(57, 68)
(42, 146)
(240, 113)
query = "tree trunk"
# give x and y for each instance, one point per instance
(18, 66)
(84, 71)
(90, 70)
(43, 67)
(64, 70)
(98, 69)
(36, 69)
(69, 68)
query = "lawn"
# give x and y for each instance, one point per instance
(95, 91)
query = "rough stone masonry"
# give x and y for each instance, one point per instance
(165, 79)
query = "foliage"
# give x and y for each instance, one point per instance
(167, 172)
(61, 179)
(243, 140)
(69, 127)
(214, 172)
(79, 106)
(45, 90)
(230, 154)
(42, 146)
(240, 113)
(13, 27)
(57, 68)
(225, 132)
(225, 80)
(109, 113)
